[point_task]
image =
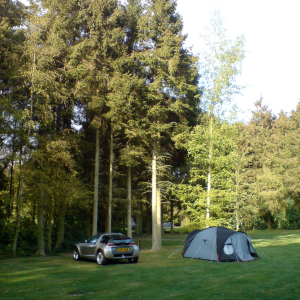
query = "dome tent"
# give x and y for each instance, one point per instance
(219, 244)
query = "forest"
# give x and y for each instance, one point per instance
(107, 117)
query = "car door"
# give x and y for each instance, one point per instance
(88, 248)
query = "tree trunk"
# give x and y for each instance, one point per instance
(209, 172)
(155, 245)
(208, 193)
(50, 226)
(11, 187)
(138, 219)
(40, 232)
(236, 201)
(60, 230)
(96, 183)
(148, 210)
(19, 205)
(110, 180)
(172, 217)
(141, 219)
(161, 219)
(19, 209)
(129, 229)
(158, 208)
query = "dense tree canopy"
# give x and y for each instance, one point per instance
(106, 116)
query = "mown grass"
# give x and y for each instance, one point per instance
(161, 275)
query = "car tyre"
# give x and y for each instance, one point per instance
(133, 260)
(76, 255)
(101, 259)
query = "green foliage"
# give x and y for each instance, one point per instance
(220, 64)
(215, 149)
(27, 238)
(69, 67)
(288, 220)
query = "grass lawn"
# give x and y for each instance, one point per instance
(161, 275)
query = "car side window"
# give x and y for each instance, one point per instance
(104, 239)
(93, 239)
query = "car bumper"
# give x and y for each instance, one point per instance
(110, 253)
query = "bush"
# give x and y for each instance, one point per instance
(288, 220)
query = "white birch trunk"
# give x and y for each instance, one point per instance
(208, 193)
(96, 183)
(129, 229)
(110, 181)
(236, 199)
(208, 200)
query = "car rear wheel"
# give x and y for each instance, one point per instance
(133, 260)
(101, 259)
(76, 255)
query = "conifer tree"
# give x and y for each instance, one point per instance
(13, 90)
(170, 84)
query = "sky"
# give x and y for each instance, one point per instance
(271, 69)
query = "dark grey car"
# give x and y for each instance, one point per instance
(107, 246)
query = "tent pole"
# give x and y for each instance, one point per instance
(198, 250)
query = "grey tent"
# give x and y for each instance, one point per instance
(219, 244)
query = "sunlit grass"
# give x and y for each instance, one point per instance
(161, 275)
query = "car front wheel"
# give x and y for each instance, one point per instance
(101, 259)
(133, 260)
(76, 255)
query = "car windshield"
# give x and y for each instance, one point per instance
(119, 237)
(93, 239)
(115, 237)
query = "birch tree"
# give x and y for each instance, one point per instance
(219, 65)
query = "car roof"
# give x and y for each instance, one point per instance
(110, 233)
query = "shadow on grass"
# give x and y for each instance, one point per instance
(158, 276)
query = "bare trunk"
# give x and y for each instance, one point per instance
(155, 245)
(50, 226)
(158, 208)
(40, 232)
(208, 193)
(110, 180)
(161, 219)
(10, 206)
(208, 200)
(172, 217)
(60, 230)
(148, 219)
(19, 205)
(96, 183)
(141, 218)
(236, 201)
(129, 229)
(138, 219)
(19, 209)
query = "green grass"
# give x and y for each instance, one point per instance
(161, 275)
